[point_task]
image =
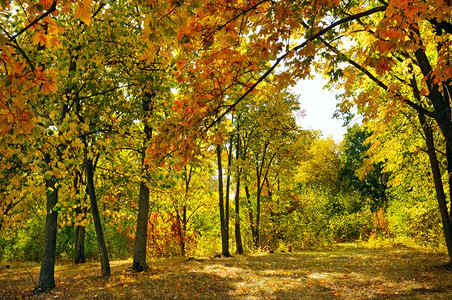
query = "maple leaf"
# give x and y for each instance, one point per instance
(83, 11)
(46, 3)
(384, 63)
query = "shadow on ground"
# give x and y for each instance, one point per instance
(347, 272)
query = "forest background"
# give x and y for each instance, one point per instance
(168, 128)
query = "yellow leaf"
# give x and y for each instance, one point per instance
(73, 126)
(83, 11)
(35, 38)
(15, 181)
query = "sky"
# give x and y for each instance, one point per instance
(319, 105)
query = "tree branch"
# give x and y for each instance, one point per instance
(48, 12)
(295, 49)
(440, 26)
(375, 79)
(106, 91)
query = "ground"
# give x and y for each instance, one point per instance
(346, 272)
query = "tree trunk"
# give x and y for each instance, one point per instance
(256, 239)
(436, 172)
(188, 173)
(139, 251)
(79, 256)
(141, 237)
(80, 245)
(440, 195)
(46, 275)
(180, 234)
(105, 263)
(440, 102)
(184, 228)
(224, 229)
(228, 187)
(181, 227)
(238, 233)
(250, 214)
(449, 175)
(260, 184)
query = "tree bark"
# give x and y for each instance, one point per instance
(250, 213)
(449, 175)
(79, 256)
(238, 233)
(224, 229)
(440, 102)
(436, 172)
(188, 173)
(139, 250)
(184, 228)
(105, 263)
(259, 183)
(440, 195)
(256, 239)
(228, 187)
(141, 237)
(80, 245)
(46, 275)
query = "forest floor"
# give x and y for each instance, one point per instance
(346, 272)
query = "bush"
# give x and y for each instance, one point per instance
(23, 242)
(417, 219)
(350, 227)
(321, 217)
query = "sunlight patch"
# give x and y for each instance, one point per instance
(318, 276)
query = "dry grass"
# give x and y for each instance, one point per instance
(345, 273)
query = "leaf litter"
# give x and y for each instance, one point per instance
(346, 272)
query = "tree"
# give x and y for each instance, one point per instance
(238, 173)
(321, 168)
(223, 207)
(267, 131)
(356, 173)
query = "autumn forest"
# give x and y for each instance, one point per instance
(147, 141)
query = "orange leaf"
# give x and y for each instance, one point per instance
(83, 11)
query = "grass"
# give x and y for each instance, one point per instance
(347, 272)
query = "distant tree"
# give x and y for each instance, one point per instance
(358, 175)
(320, 168)
(224, 208)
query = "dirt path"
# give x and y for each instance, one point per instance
(345, 273)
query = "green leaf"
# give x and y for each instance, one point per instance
(49, 191)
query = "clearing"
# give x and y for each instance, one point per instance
(346, 272)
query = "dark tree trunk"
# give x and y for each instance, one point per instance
(184, 229)
(80, 245)
(181, 228)
(238, 233)
(105, 263)
(141, 237)
(139, 250)
(440, 195)
(188, 173)
(256, 239)
(46, 275)
(181, 219)
(250, 214)
(449, 171)
(260, 184)
(439, 100)
(228, 187)
(436, 171)
(224, 229)
(79, 256)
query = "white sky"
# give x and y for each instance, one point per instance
(319, 105)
